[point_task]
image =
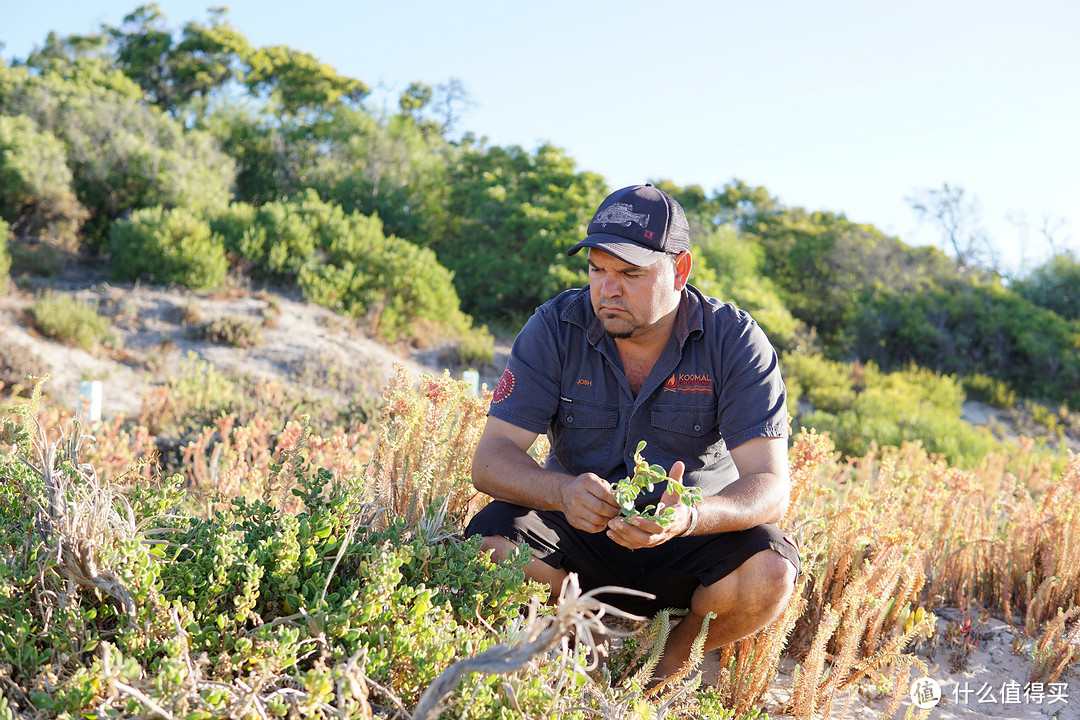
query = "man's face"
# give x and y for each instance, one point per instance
(631, 300)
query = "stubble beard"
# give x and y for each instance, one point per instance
(619, 333)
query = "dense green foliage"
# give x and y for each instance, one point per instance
(860, 406)
(142, 134)
(167, 247)
(345, 262)
(36, 184)
(63, 318)
(1054, 285)
(123, 154)
(514, 215)
(729, 266)
(5, 254)
(967, 327)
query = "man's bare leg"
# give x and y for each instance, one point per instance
(745, 601)
(537, 570)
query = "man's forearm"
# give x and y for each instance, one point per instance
(501, 470)
(749, 501)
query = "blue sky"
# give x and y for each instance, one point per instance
(842, 106)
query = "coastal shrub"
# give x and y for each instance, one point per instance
(167, 247)
(5, 256)
(861, 406)
(64, 318)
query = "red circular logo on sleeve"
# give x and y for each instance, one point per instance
(504, 388)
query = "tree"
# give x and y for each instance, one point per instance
(36, 194)
(395, 168)
(296, 82)
(123, 155)
(1054, 285)
(173, 74)
(514, 214)
(957, 218)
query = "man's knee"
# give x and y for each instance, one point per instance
(764, 582)
(775, 572)
(498, 546)
(538, 570)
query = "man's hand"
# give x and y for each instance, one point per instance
(641, 532)
(587, 502)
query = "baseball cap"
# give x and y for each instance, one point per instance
(638, 224)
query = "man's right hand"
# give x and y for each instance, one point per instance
(587, 502)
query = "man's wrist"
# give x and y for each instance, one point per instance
(694, 515)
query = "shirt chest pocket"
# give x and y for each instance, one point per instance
(687, 433)
(583, 439)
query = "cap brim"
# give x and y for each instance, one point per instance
(620, 247)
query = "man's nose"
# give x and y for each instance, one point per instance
(610, 287)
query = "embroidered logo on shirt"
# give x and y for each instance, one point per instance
(689, 382)
(504, 388)
(583, 381)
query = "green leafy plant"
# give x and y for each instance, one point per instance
(69, 320)
(646, 477)
(167, 247)
(5, 255)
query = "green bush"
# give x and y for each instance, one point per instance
(167, 247)
(64, 318)
(967, 326)
(859, 406)
(281, 237)
(232, 223)
(5, 256)
(477, 346)
(728, 266)
(991, 391)
(1054, 285)
(123, 153)
(36, 193)
(400, 287)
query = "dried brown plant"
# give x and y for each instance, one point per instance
(426, 440)
(78, 518)
(1056, 647)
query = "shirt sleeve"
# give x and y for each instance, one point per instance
(753, 398)
(527, 394)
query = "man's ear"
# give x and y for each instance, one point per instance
(683, 263)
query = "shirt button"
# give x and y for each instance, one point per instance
(697, 428)
(569, 419)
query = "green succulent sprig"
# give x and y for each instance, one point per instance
(646, 477)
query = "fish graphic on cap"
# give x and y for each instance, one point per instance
(621, 214)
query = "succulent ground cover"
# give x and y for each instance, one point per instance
(285, 568)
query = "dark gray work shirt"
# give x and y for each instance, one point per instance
(716, 385)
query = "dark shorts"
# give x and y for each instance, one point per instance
(671, 571)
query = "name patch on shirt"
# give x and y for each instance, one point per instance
(689, 382)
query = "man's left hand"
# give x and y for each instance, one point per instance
(642, 532)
